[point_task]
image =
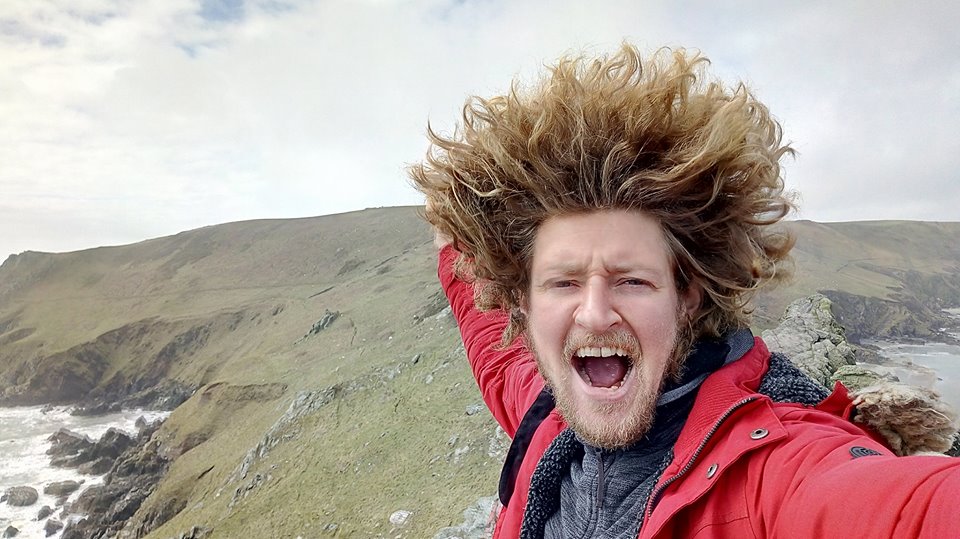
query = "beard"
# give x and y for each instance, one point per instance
(615, 425)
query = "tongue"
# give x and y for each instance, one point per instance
(604, 371)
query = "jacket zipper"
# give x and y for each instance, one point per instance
(601, 472)
(655, 497)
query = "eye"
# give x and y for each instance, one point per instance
(562, 284)
(634, 282)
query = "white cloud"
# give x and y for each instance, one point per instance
(125, 120)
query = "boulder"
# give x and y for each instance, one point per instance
(52, 526)
(61, 488)
(809, 335)
(21, 496)
(44, 512)
(112, 444)
(10, 532)
(65, 442)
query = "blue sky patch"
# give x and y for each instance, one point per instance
(221, 10)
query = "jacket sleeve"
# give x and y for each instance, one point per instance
(508, 378)
(830, 480)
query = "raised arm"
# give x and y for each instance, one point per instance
(508, 378)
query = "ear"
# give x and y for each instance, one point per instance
(691, 299)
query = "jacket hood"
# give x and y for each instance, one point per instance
(911, 419)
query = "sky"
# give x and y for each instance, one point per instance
(122, 120)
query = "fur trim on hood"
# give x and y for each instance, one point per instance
(913, 420)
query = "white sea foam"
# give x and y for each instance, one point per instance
(23, 459)
(939, 366)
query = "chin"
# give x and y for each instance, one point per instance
(607, 425)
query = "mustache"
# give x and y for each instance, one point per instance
(621, 339)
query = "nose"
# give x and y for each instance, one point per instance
(596, 312)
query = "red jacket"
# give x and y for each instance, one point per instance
(743, 465)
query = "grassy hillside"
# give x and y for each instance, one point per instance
(330, 385)
(889, 278)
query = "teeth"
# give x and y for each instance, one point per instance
(592, 351)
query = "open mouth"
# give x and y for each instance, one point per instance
(602, 367)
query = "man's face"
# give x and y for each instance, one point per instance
(603, 317)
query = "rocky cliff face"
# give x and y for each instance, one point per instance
(905, 318)
(809, 335)
(912, 420)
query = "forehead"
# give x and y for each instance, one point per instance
(613, 239)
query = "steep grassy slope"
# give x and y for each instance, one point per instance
(231, 310)
(330, 386)
(887, 278)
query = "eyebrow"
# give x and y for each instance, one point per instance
(573, 269)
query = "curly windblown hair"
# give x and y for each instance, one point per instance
(617, 132)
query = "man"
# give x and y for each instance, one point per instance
(616, 218)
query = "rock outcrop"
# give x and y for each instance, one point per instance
(809, 335)
(132, 478)
(94, 458)
(912, 420)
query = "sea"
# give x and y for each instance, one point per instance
(932, 365)
(23, 459)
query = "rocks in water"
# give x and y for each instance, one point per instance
(61, 488)
(133, 477)
(809, 335)
(66, 443)
(102, 408)
(112, 444)
(10, 532)
(52, 526)
(94, 458)
(44, 512)
(477, 523)
(21, 496)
